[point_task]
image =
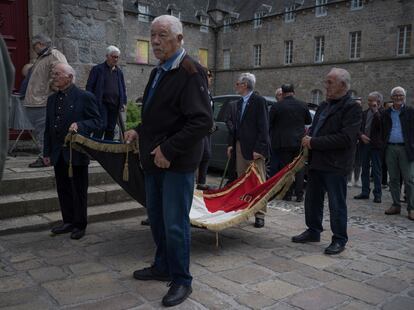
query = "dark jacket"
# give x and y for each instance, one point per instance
(82, 110)
(407, 125)
(375, 133)
(95, 84)
(177, 117)
(287, 123)
(333, 147)
(253, 129)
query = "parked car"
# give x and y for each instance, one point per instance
(219, 139)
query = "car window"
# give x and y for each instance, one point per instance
(218, 106)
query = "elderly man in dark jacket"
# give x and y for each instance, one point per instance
(371, 147)
(69, 109)
(331, 142)
(106, 82)
(398, 125)
(176, 115)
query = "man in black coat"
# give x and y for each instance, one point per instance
(331, 141)
(398, 128)
(287, 128)
(176, 115)
(371, 147)
(249, 138)
(75, 110)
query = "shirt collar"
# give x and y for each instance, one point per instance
(173, 61)
(395, 110)
(247, 97)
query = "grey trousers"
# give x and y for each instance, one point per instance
(398, 164)
(37, 116)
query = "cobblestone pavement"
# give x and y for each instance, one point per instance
(251, 268)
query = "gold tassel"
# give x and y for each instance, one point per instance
(125, 175)
(70, 172)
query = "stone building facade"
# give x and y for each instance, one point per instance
(298, 40)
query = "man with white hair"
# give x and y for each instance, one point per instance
(398, 127)
(371, 146)
(176, 115)
(39, 88)
(69, 109)
(249, 137)
(106, 81)
(331, 143)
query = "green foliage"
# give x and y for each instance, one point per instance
(133, 117)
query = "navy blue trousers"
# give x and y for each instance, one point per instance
(320, 183)
(371, 158)
(169, 196)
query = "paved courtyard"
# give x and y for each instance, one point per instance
(251, 268)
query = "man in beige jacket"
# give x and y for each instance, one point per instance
(39, 88)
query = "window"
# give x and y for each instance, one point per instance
(175, 13)
(226, 25)
(290, 14)
(288, 52)
(404, 40)
(143, 12)
(316, 96)
(356, 4)
(258, 19)
(355, 45)
(203, 57)
(205, 21)
(320, 8)
(142, 52)
(257, 55)
(226, 59)
(319, 49)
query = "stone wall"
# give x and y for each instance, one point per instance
(378, 69)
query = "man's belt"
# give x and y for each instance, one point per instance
(389, 143)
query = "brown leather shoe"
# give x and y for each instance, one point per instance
(410, 215)
(393, 210)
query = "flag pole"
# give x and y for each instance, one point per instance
(225, 172)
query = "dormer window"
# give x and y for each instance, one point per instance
(173, 11)
(289, 14)
(205, 21)
(226, 25)
(143, 13)
(257, 23)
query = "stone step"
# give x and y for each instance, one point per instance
(46, 200)
(20, 180)
(44, 221)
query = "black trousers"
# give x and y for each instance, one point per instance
(286, 156)
(72, 193)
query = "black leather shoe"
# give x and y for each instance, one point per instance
(150, 273)
(361, 196)
(62, 229)
(377, 200)
(202, 187)
(299, 198)
(259, 222)
(334, 248)
(77, 233)
(306, 236)
(287, 198)
(145, 222)
(176, 295)
(38, 163)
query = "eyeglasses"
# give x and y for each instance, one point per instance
(239, 83)
(398, 95)
(114, 56)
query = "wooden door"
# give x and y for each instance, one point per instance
(14, 29)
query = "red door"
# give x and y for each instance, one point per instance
(14, 29)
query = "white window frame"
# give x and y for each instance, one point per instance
(205, 22)
(316, 96)
(289, 15)
(321, 9)
(357, 4)
(175, 13)
(226, 59)
(319, 49)
(257, 55)
(355, 45)
(404, 43)
(143, 9)
(257, 22)
(288, 52)
(226, 25)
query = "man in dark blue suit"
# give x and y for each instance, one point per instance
(249, 137)
(75, 110)
(106, 82)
